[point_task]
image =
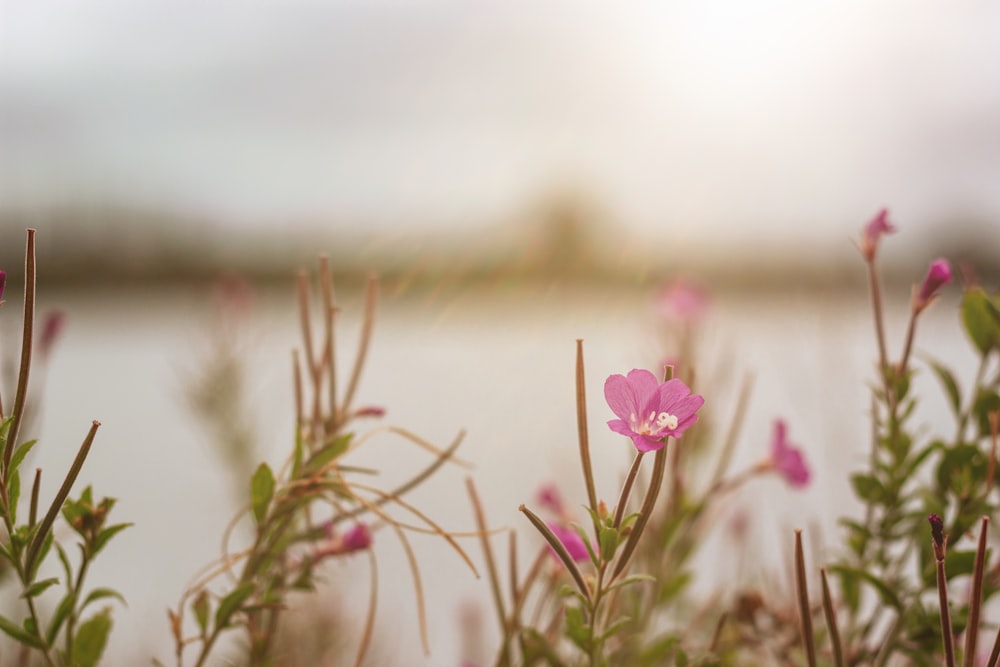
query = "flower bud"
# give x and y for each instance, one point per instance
(938, 275)
(873, 231)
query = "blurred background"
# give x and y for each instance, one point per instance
(519, 175)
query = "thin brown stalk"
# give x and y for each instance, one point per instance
(302, 291)
(581, 429)
(329, 326)
(560, 550)
(491, 566)
(512, 563)
(366, 634)
(367, 324)
(876, 293)
(995, 653)
(831, 621)
(991, 467)
(911, 330)
(805, 610)
(297, 387)
(418, 587)
(50, 516)
(633, 471)
(976, 596)
(735, 424)
(24, 369)
(433, 525)
(35, 488)
(947, 635)
(521, 593)
(655, 482)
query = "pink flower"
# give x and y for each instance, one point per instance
(787, 459)
(51, 328)
(682, 300)
(550, 498)
(3, 283)
(873, 231)
(357, 538)
(571, 540)
(650, 411)
(938, 275)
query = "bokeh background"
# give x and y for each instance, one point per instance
(519, 174)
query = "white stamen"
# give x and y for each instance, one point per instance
(666, 420)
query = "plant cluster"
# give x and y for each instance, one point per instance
(610, 583)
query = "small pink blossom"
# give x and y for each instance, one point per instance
(938, 275)
(873, 231)
(682, 300)
(376, 411)
(357, 538)
(550, 498)
(787, 459)
(52, 326)
(650, 411)
(571, 540)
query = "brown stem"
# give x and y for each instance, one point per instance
(633, 471)
(831, 621)
(946, 632)
(27, 328)
(805, 611)
(976, 597)
(581, 429)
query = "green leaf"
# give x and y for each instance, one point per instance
(986, 402)
(105, 536)
(38, 587)
(60, 615)
(231, 603)
(577, 630)
(867, 488)
(201, 606)
(329, 452)
(885, 591)
(261, 491)
(615, 628)
(102, 594)
(19, 453)
(13, 494)
(981, 318)
(91, 638)
(950, 386)
(609, 543)
(20, 634)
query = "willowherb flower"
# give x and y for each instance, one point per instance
(682, 300)
(52, 326)
(650, 411)
(938, 275)
(357, 538)
(550, 498)
(570, 539)
(873, 231)
(787, 459)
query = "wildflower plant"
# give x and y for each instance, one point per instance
(316, 506)
(76, 631)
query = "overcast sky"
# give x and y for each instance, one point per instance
(726, 119)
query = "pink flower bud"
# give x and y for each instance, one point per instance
(682, 301)
(873, 231)
(370, 411)
(938, 275)
(787, 459)
(357, 539)
(550, 498)
(51, 327)
(571, 540)
(3, 283)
